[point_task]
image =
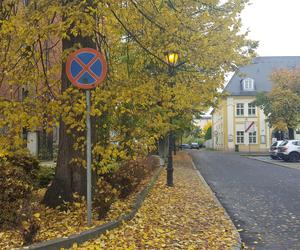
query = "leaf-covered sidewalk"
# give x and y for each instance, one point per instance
(182, 217)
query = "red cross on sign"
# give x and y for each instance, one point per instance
(86, 68)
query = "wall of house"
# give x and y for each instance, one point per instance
(32, 143)
(218, 133)
(226, 123)
(240, 122)
(230, 143)
(297, 134)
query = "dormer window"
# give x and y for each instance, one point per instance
(248, 84)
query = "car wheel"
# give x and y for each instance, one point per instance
(293, 157)
(273, 157)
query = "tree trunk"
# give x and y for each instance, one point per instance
(174, 144)
(291, 133)
(69, 177)
(163, 147)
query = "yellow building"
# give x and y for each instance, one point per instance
(238, 123)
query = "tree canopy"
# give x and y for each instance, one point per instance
(133, 107)
(282, 104)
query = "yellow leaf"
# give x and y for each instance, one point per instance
(25, 225)
(37, 215)
(77, 204)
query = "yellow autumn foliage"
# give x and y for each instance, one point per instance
(135, 104)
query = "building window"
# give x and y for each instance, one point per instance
(248, 84)
(240, 109)
(263, 139)
(251, 109)
(252, 137)
(240, 137)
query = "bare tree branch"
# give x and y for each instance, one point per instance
(44, 69)
(147, 17)
(135, 38)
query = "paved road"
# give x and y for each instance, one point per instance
(263, 200)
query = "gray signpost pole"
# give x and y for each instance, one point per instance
(88, 159)
(89, 64)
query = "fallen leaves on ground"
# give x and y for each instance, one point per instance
(181, 217)
(55, 223)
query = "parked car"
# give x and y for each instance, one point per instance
(184, 146)
(274, 150)
(195, 145)
(289, 150)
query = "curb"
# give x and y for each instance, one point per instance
(254, 155)
(274, 163)
(67, 242)
(238, 245)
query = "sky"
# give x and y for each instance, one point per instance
(275, 24)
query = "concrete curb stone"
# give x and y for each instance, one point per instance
(277, 163)
(238, 245)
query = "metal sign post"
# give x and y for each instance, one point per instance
(88, 158)
(86, 68)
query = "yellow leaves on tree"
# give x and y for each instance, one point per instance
(205, 128)
(132, 109)
(285, 95)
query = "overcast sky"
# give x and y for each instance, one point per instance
(276, 25)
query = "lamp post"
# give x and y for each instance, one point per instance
(171, 58)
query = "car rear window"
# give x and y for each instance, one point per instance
(274, 144)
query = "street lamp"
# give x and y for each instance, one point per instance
(171, 58)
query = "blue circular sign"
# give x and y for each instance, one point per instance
(86, 68)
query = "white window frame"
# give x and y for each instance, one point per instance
(251, 109)
(240, 109)
(248, 84)
(252, 137)
(240, 137)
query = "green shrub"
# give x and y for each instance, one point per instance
(129, 175)
(127, 178)
(25, 161)
(121, 182)
(104, 196)
(45, 175)
(17, 175)
(16, 189)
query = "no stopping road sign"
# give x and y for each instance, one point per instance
(86, 68)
